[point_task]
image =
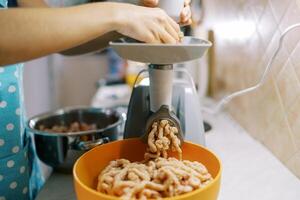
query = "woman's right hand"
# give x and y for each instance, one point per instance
(150, 25)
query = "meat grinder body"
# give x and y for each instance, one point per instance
(185, 105)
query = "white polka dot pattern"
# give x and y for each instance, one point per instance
(15, 149)
(18, 111)
(10, 163)
(13, 185)
(22, 169)
(2, 142)
(16, 74)
(12, 89)
(25, 190)
(10, 127)
(3, 104)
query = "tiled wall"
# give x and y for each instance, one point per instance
(246, 33)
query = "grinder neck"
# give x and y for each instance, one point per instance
(161, 81)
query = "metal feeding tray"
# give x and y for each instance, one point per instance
(190, 48)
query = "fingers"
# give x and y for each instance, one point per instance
(187, 2)
(152, 25)
(172, 32)
(168, 29)
(185, 16)
(151, 37)
(166, 37)
(174, 25)
(172, 28)
(161, 34)
(189, 22)
(150, 3)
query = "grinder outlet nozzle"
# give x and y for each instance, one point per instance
(164, 113)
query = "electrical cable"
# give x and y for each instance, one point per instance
(226, 99)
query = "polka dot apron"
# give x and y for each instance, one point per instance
(20, 176)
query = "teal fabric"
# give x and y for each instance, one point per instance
(20, 173)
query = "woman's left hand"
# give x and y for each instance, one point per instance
(186, 13)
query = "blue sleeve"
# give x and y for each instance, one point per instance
(2, 4)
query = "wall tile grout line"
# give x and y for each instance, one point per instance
(283, 111)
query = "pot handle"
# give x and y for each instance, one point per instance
(88, 145)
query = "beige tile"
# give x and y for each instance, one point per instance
(267, 25)
(281, 57)
(263, 106)
(279, 8)
(288, 85)
(294, 164)
(256, 60)
(252, 76)
(268, 109)
(254, 51)
(253, 124)
(242, 105)
(279, 62)
(247, 110)
(273, 43)
(279, 140)
(248, 11)
(291, 17)
(293, 116)
(257, 6)
(295, 59)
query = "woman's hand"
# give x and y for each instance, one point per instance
(186, 13)
(151, 25)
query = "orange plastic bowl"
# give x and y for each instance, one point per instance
(88, 167)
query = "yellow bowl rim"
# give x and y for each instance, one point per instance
(218, 176)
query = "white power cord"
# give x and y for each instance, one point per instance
(228, 98)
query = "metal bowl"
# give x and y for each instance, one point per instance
(61, 150)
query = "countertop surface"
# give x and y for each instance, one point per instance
(250, 171)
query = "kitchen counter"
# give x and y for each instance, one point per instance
(250, 171)
(58, 187)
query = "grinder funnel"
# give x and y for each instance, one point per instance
(190, 48)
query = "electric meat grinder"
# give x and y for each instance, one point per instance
(162, 95)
